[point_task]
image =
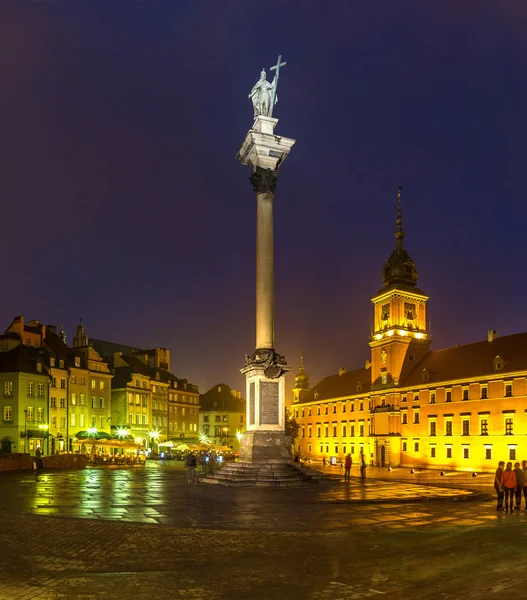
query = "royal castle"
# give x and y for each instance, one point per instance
(459, 408)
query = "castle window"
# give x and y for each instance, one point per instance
(432, 451)
(385, 312)
(508, 390)
(448, 427)
(509, 426)
(432, 397)
(484, 392)
(404, 446)
(465, 393)
(384, 378)
(416, 446)
(466, 452)
(449, 451)
(466, 427)
(488, 452)
(433, 428)
(416, 417)
(448, 396)
(484, 426)
(403, 399)
(404, 418)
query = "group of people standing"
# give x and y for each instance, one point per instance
(510, 484)
(347, 467)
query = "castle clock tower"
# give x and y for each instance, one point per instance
(399, 334)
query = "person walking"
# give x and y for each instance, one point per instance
(497, 484)
(519, 485)
(191, 467)
(508, 483)
(323, 462)
(38, 456)
(347, 467)
(524, 469)
(362, 466)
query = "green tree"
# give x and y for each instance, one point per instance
(291, 426)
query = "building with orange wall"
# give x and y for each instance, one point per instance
(463, 407)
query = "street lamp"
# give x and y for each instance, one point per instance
(122, 432)
(154, 435)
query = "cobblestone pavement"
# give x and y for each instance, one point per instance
(146, 534)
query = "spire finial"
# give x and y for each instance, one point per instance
(301, 368)
(399, 234)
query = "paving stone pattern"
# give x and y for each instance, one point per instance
(147, 534)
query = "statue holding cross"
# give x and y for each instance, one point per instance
(263, 94)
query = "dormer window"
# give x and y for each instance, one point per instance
(315, 395)
(498, 363)
(52, 361)
(359, 386)
(61, 364)
(77, 361)
(426, 374)
(39, 367)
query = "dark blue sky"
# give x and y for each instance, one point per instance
(122, 201)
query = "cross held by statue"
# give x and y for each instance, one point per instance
(277, 69)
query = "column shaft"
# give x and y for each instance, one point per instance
(264, 271)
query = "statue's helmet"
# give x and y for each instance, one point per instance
(262, 74)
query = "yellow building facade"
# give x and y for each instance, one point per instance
(462, 408)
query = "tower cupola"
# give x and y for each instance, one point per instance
(399, 269)
(301, 380)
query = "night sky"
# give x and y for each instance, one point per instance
(123, 202)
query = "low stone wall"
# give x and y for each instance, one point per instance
(11, 461)
(65, 461)
(14, 461)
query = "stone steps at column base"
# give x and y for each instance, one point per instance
(261, 475)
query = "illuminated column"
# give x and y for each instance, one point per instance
(265, 439)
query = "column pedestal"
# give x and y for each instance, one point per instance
(265, 439)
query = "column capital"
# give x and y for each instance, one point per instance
(264, 180)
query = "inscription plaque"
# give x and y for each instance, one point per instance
(269, 403)
(251, 404)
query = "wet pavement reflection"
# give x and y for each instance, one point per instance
(158, 493)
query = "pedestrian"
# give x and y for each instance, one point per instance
(524, 469)
(519, 485)
(347, 467)
(323, 462)
(362, 466)
(38, 456)
(497, 484)
(191, 467)
(508, 484)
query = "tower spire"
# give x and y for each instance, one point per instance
(399, 234)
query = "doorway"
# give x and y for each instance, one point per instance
(5, 445)
(383, 456)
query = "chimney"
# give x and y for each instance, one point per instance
(52, 329)
(367, 364)
(492, 335)
(342, 370)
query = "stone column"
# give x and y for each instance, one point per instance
(264, 184)
(265, 439)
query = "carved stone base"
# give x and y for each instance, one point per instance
(265, 447)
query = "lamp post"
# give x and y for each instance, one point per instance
(25, 430)
(154, 436)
